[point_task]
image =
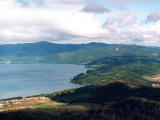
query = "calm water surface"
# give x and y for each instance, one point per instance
(32, 79)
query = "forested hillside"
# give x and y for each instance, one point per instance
(46, 52)
(115, 85)
(115, 101)
(127, 69)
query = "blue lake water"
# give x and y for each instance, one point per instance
(32, 79)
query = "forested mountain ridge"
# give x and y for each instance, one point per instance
(46, 52)
(42, 48)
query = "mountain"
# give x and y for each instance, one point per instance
(46, 52)
(42, 48)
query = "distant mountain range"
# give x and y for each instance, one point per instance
(46, 52)
(42, 48)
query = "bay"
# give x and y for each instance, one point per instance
(33, 79)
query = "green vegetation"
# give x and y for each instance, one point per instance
(107, 93)
(7, 107)
(44, 106)
(115, 101)
(116, 88)
(45, 52)
(126, 69)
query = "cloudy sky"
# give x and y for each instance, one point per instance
(80, 21)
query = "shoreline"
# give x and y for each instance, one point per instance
(43, 94)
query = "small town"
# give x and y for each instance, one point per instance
(154, 79)
(23, 103)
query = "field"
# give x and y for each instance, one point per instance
(45, 103)
(29, 103)
(154, 79)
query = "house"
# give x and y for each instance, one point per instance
(1, 105)
(43, 98)
(8, 104)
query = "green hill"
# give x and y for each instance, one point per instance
(115, 101)
(105, 94)
(127, 69)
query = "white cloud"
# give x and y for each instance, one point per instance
(154, 16)
(116, 24)
(127, 2)
(31, 23)
(72, 1)
(95, 8)
(66, 23)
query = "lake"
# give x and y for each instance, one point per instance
(33, 79)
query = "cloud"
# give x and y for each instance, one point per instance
(121, 3)
(72, 1)
(127, 31)
(39, 3)
(56, 21)
(24, 3)
(123, 23)
(154, 16)
(95, 8)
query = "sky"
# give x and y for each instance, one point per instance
(80, 21)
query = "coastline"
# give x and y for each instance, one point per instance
(46, 93)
